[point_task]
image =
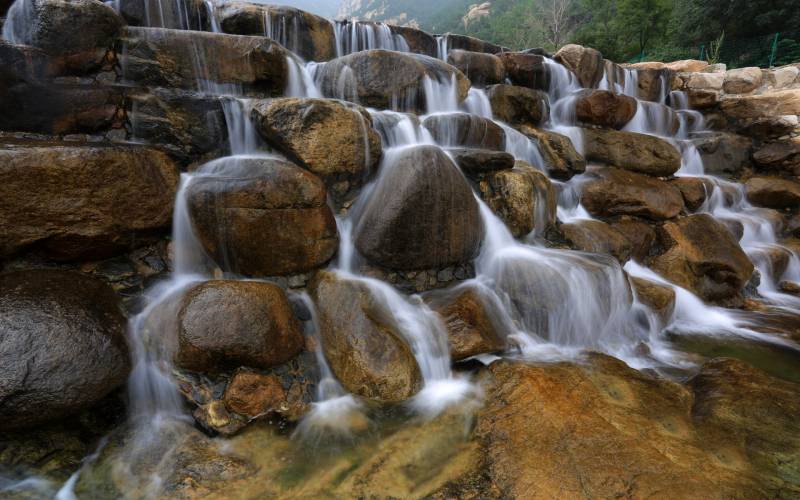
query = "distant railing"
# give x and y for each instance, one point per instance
(776, 49)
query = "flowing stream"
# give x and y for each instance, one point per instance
(554, 304)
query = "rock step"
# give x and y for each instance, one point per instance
(74, 201)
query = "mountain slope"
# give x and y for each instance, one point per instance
(442, 15)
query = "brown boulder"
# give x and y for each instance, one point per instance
(465, 130)
(252, 394)
(659, 298)
(453, 41)
(526, 70)
(595, 236)
(773, 192)
(481, 69)
(78, 202)
(418, 41)
(386, 79)
(523, 198)
(605, 108)
(310, 37)
(585, 62)
(518, 105)
(604, 430)
(619, 192)
(168, 58)
(421, 195)
(471, 328)
(723, 153)
(653, 84)
(781, 156)
(700, 254)
(332, 139)
(62, 345)
(227, 324)
(361, 341)
(474, 162)
(742, 80)
(272, 219)
(645, 154)
(640, 235)
(702, 98)
(79, 33)
(562, 160)
(695, 190)
(770, 127)
(771, 103)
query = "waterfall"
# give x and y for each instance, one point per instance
(355, 36)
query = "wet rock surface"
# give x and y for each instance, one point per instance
(644, 154)
(272, 220)
(423, 194)
(227, 324)
(702, 255)
(330, 138)
(62, 345)
(361, 341)
(74, 202)
(618, 192)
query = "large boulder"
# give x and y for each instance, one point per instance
(388, 80)
(270, 219)
(472, 326)
(780, 156)
(742, 80)
(466, 130)
(526, 70)
(596, 236)
(362, 342)
(700, 254)
(770, 127)
(605, 108)
(418, 41)
(310, 37)
(723, 153)
(585, 62)
(421, 194)
(773, 192)
(561, 160)
(619, 192)
(523, 198)
(62, 345)
(474, 162)
(645, 154)
(453, 41)
(653, 84)
(518, 105)
(333, 139)
(193, 59)
(640, 235)
(481, 69)
(600, 429)
(771, 103)
(222, 325)
(188, 125)
(79, 33)
(75, 202)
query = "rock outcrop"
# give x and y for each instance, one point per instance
(618, 192)
(640, 153)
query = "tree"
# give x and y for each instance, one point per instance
(559, 20)
(646, 19)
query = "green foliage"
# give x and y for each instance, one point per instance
(714, 48)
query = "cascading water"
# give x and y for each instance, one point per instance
(355, 36)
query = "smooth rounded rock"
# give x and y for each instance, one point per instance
(421, 215)
(605, 108)
(518, 105)
(62, 345)
(618, 192)
(227, 324)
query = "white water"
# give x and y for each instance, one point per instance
(355, 36)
